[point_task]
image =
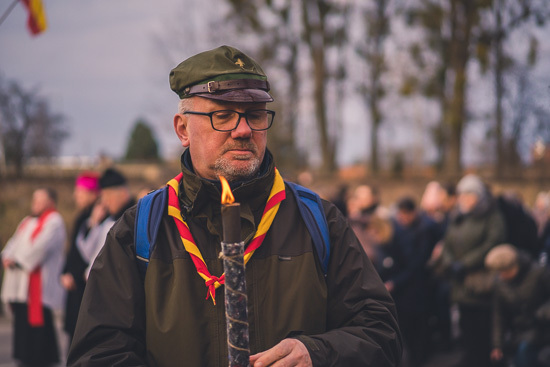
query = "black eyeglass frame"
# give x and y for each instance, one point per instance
(241, 115)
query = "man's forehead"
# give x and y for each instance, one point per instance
(41, 193)
(111, 190)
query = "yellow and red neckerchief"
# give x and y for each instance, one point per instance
(212, 282)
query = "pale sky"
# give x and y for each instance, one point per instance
(97, 64)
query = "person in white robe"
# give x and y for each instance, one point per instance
(33, 260)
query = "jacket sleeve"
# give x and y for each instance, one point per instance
(8, 250)
(495, 235)
(111, 323)
(361, 317)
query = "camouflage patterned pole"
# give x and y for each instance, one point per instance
(236, 314)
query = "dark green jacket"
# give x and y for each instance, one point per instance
(347, 319)
(516, 305)
(468, 239)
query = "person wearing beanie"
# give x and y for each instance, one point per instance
(300, 313)
(115, 199)
(521, 305)
(115, 194)
(475, 227)
(112, 178)
(86, 194)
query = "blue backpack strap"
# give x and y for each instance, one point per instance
(311, 209)
(149, 213)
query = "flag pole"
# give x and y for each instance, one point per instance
(8, 11)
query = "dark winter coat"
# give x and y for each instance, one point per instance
(76, 266)
(518, 306)
(468, 239)
(405, 257)
(345, 319)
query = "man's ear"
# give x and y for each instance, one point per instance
(180, 127)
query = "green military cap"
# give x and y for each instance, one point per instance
(224, 73)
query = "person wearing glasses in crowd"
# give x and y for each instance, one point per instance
(297, 316)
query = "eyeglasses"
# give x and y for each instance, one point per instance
(228, 120)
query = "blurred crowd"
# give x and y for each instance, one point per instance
(467, 268)
(41, 277)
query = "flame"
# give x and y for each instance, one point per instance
(227, 195)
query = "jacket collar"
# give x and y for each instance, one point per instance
(201, 197)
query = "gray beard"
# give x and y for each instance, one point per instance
(231, 173)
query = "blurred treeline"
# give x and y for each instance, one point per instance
(444, 64)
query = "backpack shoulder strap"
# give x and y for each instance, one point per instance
(149, 212)
(313, 214)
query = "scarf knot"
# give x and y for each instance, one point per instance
(212, 284)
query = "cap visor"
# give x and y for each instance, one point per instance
(239, 95)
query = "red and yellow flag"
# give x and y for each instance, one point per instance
(37, 16)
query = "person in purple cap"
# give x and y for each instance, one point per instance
(86, 194)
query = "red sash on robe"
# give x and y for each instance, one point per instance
(34, 302)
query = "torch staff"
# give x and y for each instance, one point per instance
(236, 314)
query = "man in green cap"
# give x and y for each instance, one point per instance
(298, 315)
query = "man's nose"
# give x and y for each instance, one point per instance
(242, 130)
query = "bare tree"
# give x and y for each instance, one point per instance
(377, 27)
(28, 127)
(314, 15)
(502, 19)
(456, 30)
(449, 26)
(291, 27)
(530, 116)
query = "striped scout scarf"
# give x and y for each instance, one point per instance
(212, 282)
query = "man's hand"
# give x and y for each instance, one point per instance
(99, 212)
(289, 352)
(496, 354)
(8, 263)
(67, 281)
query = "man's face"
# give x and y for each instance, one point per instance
(467, 201)
(236, 154)
(112, 199)
(40, 202)
(405, 218)
(83, 197)
(509, 274)
(364, 196)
